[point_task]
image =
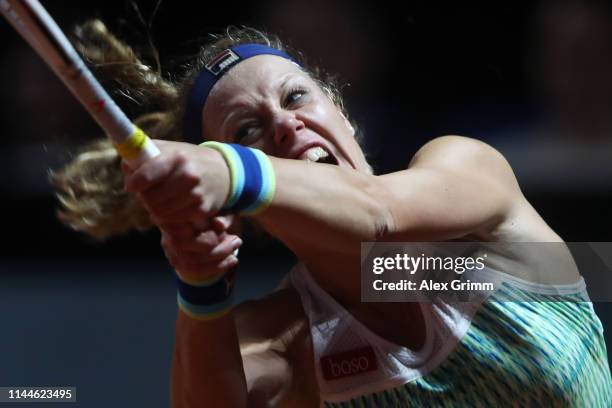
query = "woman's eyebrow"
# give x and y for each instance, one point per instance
(286, 79)
(238, 113)
(235, 114)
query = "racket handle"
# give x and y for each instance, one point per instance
(38, 28)
(137, 148)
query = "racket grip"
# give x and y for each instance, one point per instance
(137, 148)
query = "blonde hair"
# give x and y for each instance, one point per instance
(90, 188)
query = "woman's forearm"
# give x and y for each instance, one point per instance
(323, 206)
(207, 366)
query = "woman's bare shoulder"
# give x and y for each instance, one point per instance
(463, 152)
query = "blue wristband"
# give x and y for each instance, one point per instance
(252, 178)
(206, 300)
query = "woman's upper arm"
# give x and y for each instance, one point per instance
(454, 186)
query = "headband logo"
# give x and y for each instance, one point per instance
(222, 62)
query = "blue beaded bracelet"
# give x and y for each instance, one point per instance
(252, 178)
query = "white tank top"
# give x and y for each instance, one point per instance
(355, 366)
(351, 360)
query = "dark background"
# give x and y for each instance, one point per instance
(534, 79)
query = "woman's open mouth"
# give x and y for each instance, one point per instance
(319, 154)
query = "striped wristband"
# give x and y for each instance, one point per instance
(252, 178)
(207, 299)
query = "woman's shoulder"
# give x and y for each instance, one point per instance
(478, 163)
(469, 162)
(482, 176)
(462, 151)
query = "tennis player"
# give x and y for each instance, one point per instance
(281, 151)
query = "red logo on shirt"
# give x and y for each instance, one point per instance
(348, 363)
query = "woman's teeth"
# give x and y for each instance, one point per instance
(314, 154)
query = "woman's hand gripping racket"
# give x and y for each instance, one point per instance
(38, 28)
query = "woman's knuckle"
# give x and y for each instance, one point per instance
(180, 158)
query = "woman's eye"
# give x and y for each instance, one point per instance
(247, 134)
(294, 96)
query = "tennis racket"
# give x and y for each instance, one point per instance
(38, 28)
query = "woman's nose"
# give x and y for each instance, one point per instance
(286, 129)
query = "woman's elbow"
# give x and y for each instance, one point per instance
(383, 222)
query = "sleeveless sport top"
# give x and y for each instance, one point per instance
(488, 353)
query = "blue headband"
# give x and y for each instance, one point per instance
(208, 77)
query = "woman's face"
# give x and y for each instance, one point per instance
(269, 103)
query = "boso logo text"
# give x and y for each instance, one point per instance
(348, 367)
(348, 363)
